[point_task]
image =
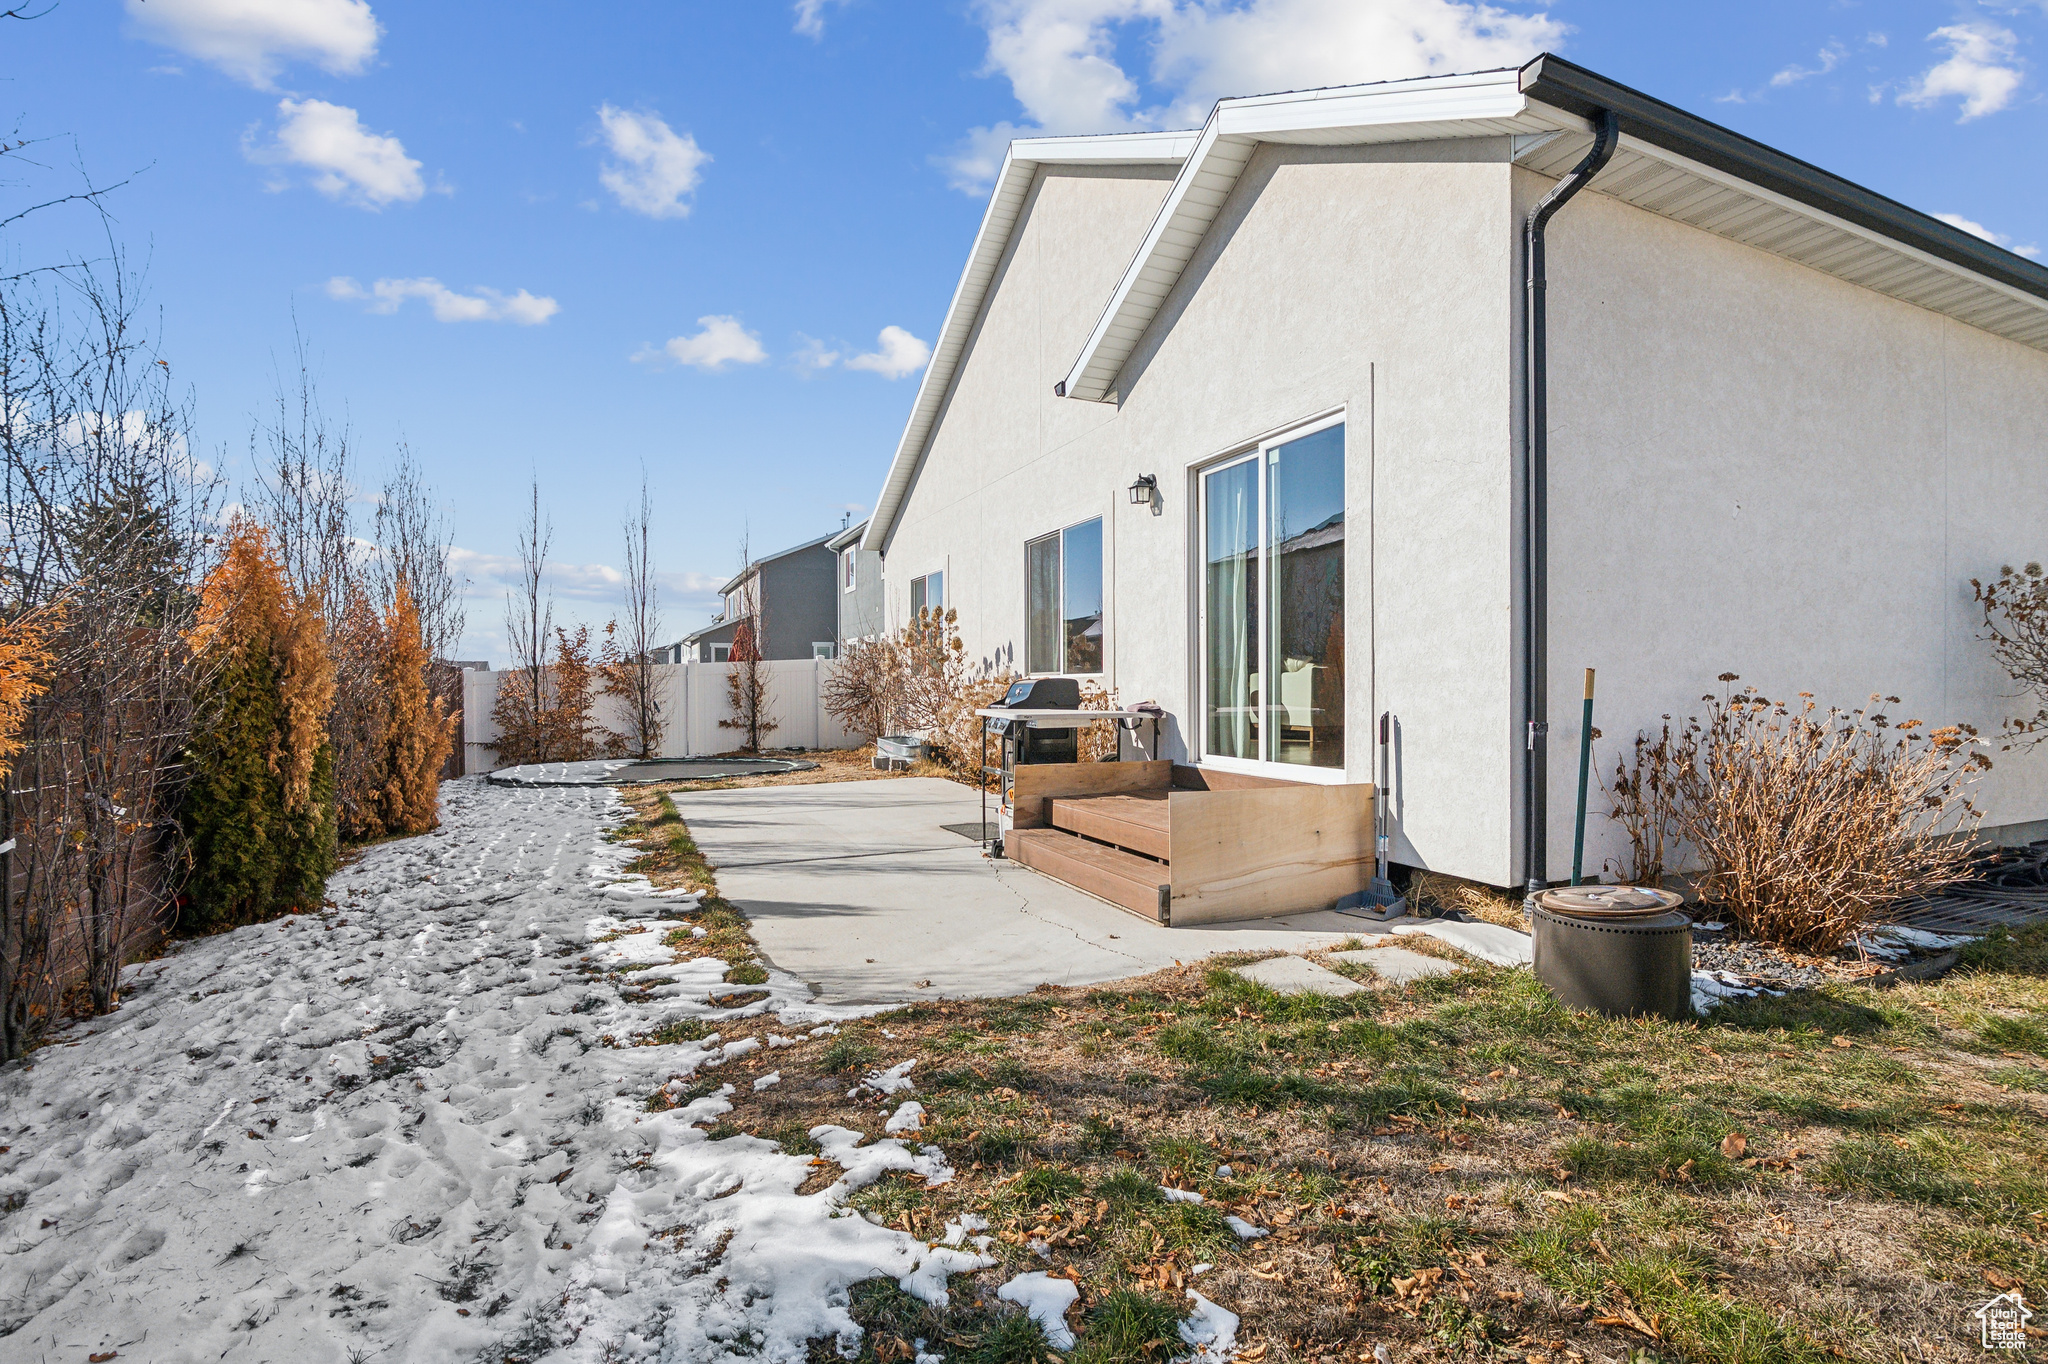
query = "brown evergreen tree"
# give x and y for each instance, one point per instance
(420, 729)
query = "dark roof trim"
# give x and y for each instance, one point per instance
(1560, 83)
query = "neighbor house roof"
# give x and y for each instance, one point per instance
(1006, 203)
(846, 537)
(744, 573)
(1669, 162)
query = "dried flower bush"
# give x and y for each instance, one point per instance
(1810, 822)
(1645, 798)
(2016, 624)
(859, 690)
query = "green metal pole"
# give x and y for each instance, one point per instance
(1585, 766)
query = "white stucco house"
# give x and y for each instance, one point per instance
(1787, 421)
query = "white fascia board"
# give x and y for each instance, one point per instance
(1211, 171)
(1020, 163)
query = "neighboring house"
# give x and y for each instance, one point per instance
(797, 597)
(860, 585)
(1236, 420)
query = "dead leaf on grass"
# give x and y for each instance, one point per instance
(1733, 1145)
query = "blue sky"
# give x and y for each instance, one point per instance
(713, 239)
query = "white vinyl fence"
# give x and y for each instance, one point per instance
(693, 700)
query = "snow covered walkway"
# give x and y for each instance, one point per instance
(392, 1132)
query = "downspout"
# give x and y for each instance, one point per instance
(1536, 504)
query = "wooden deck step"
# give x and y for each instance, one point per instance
(1134, 822)
(1122, 878)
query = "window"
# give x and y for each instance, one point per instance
(721, 653)
(1273, 603)
(824, 649)
(1063, 629)
(928, 593)
(847, 558)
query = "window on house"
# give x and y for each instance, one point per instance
(1063, 626)
(928, 593)
(1273, 603)
(846, 568)
(824, 649)
(721, 653)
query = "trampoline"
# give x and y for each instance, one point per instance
(632, 772)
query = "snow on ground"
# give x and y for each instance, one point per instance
(391, 1131)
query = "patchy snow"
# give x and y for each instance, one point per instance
(1895, 941)
(1045, 1299)
(769, 1081)
(1245, 1230)
(891, 1081)
(909, 1117)
(1212, 1330)
(336, 1134)
(1711, 989)
(1173, 1195)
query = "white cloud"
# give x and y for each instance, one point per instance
(810, 17)
(720, 341)
(1977, 229)
(1062, 57)
(654, 166)
(251, 40)
(1982, 69)
(1830, 57)
(485, 305)
(348, 161)
(815, 354)
(896, 354)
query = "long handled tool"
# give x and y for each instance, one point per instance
(1585, 766)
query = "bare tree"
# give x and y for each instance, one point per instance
(303, 489)
(629, 673)
(108, 517)
(413, 540)
(524, 694)
(747, 685)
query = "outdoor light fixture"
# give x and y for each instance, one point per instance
(1145, 492)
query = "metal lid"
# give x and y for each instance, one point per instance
(1609, 902)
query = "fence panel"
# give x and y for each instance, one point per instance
(695, 697)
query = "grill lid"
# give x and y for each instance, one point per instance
(1609, 902)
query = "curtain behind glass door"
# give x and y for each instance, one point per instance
(1230, 515)
(1042, 616)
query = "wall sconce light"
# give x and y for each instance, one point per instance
(1145, 492)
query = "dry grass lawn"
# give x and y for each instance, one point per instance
(1463, 1168)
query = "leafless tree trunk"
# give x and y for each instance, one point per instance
(634, 680)
(413, 538)
(747, 686)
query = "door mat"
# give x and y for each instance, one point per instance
(980, 833)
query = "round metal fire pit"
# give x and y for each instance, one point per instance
(1620, 951)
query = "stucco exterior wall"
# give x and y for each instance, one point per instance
(861, 609)
(1760, 469)
(1375, 281)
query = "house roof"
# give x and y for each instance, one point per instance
(847, 536)
(743, 574)
(1669, 162)
(1013, 184)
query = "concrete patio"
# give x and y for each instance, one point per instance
(855, 888)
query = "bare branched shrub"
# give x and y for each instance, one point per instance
(2016, 623)
(1645, 796)
(1808, 822)
(861, 690)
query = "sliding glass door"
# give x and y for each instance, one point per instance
(1273, 603)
